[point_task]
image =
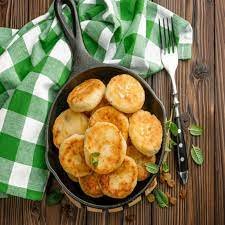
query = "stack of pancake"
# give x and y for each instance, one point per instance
(105, 138)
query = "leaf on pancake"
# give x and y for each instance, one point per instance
(94, 158)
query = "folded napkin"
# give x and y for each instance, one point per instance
(35, 62)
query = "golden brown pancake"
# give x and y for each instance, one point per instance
(125, 93)
(89, 185)
(105, 140)
(86, 96)
(121, 182)
(145, 132)
(111, 115)
(68, 123)
(141, 161)
(71, 156)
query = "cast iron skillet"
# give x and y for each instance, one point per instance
(84, 68)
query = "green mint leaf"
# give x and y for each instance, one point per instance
(161, 198)
(165, 167)
(172, 127)
(195, 130)
(152, 168)
(94, 158)
(197, 155)
(54, 197)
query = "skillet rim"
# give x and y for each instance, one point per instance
(128, 199)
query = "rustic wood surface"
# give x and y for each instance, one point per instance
(201, 91)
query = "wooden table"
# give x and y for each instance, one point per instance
(201, 86)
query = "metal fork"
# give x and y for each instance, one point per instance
(169, 58)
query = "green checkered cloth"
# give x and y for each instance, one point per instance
(36, 61)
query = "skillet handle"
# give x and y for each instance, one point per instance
(82, 60)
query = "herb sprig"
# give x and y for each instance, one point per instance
(161, 198)
(197, 155)
(152, 168)
(95, 158)
(195, 130)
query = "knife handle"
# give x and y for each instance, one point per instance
(182, 160)
(181, 148)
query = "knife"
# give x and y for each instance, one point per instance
(181, 153)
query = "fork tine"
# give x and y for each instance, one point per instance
(160, 35)
(173, 33)
(162, 38)
(165, 39)
(170, 45)
(172, 37)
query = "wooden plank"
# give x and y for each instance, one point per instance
(11, 211)
(33, 213)
(4, 5)
(38, 8)
(219, 113)
(18, 8)
(195, 81)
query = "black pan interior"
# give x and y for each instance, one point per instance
(152, 104)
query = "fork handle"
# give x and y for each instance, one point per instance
(182, 159)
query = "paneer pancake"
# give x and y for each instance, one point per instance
(104, 147)
(68, 123)
(121, 182)
(71, 156)
(90, 186)
(74, 179)
(111, 115)
(86, 96)
(145, 132)
(125, 93)
(141, 161)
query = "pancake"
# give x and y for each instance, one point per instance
(103, 103)
(145, 132)
(111, 115)
(74, 179)
(141, 161)
(68, 123)
(125, 93)
(121, 182)
(89, 185)
(71, 156)
(104, 147)
(86, 96)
